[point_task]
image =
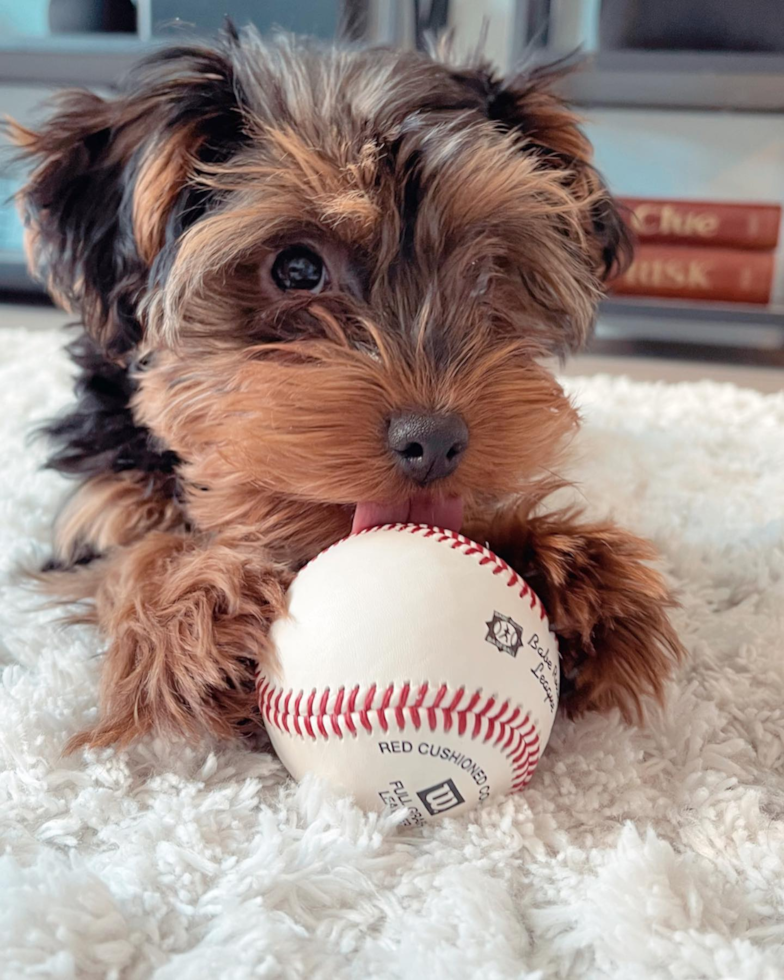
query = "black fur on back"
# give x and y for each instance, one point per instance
(87, 159)
(99, 433)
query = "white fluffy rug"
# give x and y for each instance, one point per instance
(656, 853)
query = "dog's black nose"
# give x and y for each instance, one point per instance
(427, 447)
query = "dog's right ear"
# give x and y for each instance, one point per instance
(111, 184)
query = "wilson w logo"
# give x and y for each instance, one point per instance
(441, 797)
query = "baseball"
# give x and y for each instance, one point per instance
(414, 669)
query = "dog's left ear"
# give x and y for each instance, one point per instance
(529, 105)
(112, 182)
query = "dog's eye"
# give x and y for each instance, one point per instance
(298, 267)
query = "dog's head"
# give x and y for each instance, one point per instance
(332, 273)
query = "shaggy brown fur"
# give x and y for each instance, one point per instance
(228, 425)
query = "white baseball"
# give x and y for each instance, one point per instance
(415, 669)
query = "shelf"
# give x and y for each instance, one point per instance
(668, 350)
(700, 311)
(678, 80)
(642, 79)
(717, 325)
(14, 275)
(72, 59)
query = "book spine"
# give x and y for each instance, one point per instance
(705, 223)
(722, 275)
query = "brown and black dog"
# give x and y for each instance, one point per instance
(316, 288)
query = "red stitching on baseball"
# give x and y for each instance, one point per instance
(323, 711)
(297, 703)
(363, 714)
(381, 714)
(456, 699)
(488, 705)
(458, 541)
(472, 703)
(336, 711)
(515, 735)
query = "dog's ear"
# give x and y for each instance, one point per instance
(529, 105)
(111, 182)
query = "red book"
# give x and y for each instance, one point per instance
(720, 274)
(706, 223)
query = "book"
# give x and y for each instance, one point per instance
(719, 274)
(707, 223)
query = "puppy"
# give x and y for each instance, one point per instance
(315, 289)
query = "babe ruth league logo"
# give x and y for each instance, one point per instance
(504, 633)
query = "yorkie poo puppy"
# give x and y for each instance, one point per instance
(316, 288)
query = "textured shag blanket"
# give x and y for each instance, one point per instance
(632, 854)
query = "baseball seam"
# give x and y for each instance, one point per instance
(485, 558)
(324, 715)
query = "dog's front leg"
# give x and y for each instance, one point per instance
(605, 602)
(187, 623)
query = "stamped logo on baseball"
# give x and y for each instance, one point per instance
(415, 669)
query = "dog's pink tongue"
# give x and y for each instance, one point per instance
(419, 510)
(440, 513)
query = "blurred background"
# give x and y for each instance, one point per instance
(683, 99)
